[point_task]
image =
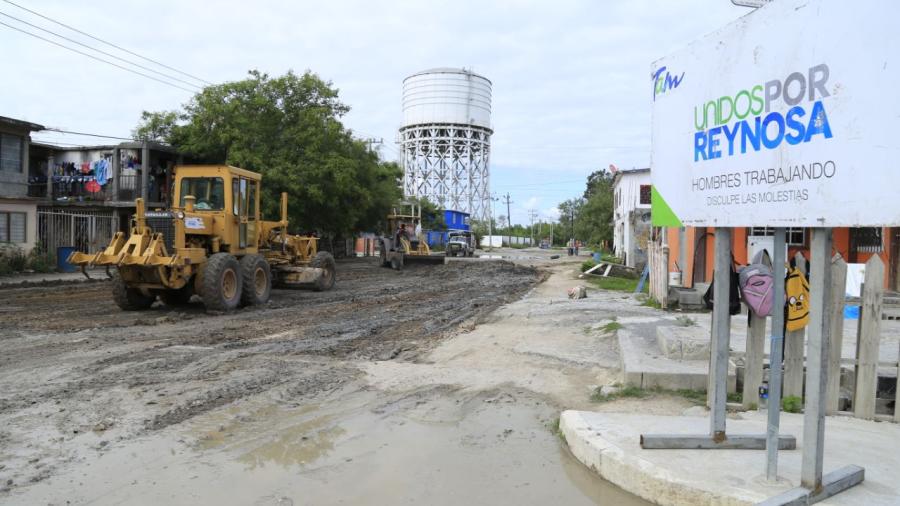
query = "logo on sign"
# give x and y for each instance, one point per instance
(663, 83)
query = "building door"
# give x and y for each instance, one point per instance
(699, 274)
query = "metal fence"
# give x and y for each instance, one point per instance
(86, 230)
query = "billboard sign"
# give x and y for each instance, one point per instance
(787, 117)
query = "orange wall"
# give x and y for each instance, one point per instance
(739, 248)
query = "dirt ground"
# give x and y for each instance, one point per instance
(294, 402)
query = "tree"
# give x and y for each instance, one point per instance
(288, 129)
(590, 218)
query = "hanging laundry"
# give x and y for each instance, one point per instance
(101, 171)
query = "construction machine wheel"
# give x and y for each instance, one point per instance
(397, 262)
(222, 283)
(257, 280)
(180, 297)
(324, 260)
(130, 299)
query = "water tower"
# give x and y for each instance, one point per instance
(445, 140)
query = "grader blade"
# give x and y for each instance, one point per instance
(424, 259)
(289, 276)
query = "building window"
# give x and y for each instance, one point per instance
(11, 152)
(866, 240)
(796, 236)
(12, 227)
(645, 194)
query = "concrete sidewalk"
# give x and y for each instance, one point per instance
(645, 364)
(51, 278)
(608, 443)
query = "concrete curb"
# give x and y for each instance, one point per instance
(634, 474)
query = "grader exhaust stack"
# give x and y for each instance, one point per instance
(211, 243)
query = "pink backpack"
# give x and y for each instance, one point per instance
(756, 282)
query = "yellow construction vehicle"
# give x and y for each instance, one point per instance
(211, 243)
(405, 242)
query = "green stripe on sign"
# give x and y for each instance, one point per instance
(660, 212)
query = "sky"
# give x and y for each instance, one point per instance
(571, 79)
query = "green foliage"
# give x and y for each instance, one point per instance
(432, 215)
(628, 391)
(792, 404)
(611, 327)
(697, 397)
(735, 397)
(41, 261)
(13, 260)
(615, 284)
(287, 128)
(685, 321)
(587, 265)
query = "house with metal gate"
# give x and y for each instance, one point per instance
(76, 197)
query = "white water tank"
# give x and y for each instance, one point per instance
(447, 96)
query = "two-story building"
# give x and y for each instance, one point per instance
(53, 196)
(631, 216)
(18, 210)
(88, 193)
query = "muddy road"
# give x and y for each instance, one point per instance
(76, 371)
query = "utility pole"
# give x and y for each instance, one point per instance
(491, 224)
(532, 214)
(372, 140)
(508, 220)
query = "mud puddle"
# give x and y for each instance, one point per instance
(436, 446)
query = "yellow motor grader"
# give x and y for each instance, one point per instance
(212, 243)
(405, 242)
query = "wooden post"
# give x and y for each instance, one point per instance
(793, 350)
(838, 293)
(817, 360)
(719, 352)
(664, 281)
(868, 339)
(754, 356)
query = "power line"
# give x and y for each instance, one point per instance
(120, 48)
(96, 58)
(58, 130)
(100, 51)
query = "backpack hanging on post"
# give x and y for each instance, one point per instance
(734, 302)
(756, 282)
(796, 294)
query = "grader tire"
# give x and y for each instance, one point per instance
(175, 298)
(257, 277)
(324, 260)
(130, 299)
(397, 262)
(222, 283)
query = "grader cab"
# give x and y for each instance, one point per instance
(212, 243)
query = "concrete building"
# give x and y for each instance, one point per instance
(18, 211)
(631, 213)
(79, 197)
(86, 194)
(693, 248)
